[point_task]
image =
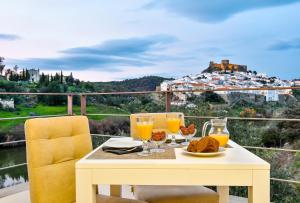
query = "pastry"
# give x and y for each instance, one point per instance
(159, 136)
(204, 144)
(188, 130)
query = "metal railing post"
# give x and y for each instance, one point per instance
(83, 104)
(168, 101)
(70, 105)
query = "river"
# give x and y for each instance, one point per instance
(17, 155)
(9, 157)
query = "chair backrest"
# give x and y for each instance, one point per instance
(159, 119)
(53, 145)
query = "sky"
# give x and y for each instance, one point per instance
(103, 40)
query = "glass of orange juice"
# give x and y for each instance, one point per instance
(173, 125)
(144, 127)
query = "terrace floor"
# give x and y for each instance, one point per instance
(20, 193)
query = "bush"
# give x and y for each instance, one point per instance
(248, 112)
(110, 126)
(273, 138)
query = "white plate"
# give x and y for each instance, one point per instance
(204, 154)
(123, 143)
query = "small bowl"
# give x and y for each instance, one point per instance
(188, 137)
(158, 144)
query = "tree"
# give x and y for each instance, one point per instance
(212, 97)
(1, 65)
(52, 100)
(284, 131)
(70, 79)
(56, 77)
(42, 79)
(15, 68)
(296, 94)
(290, 130)
(27, 75)
(8, 72)
(61, 77)
(23, 75)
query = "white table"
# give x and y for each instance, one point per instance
(237, 167)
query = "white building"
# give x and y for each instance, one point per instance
(272, 95)
(34, 75)
(228, 83)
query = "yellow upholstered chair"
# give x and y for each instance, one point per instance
(169, 194)
(53, 145)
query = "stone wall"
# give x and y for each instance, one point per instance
(235, 97)
(286, 99)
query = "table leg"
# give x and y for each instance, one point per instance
(85, 190)
(223, 192)
(116, 190)
(259, 192)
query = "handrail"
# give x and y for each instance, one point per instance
(116, 136)
(13, 166)
(272, 149)
(111, 136)
(187, 116)
(284, 180)
(26, 117)
(206, 117)
(148, 92)
(107, 114)
(247, 118)
(11, 142)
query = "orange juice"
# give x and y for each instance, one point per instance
(145, 130)
(173, 124)
(222, 138)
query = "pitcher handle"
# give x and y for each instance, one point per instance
(204, 128)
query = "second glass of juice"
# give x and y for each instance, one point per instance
(173, 125)
(144, 127)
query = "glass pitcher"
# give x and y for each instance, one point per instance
(218, 130)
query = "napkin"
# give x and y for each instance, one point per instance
(120, 151)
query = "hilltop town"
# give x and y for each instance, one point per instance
(227, 76)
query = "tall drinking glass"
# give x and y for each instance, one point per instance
(173, 124)
(144, 126)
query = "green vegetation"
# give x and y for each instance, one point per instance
(7, 128)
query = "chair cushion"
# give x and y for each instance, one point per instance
(174, 194)
(109, 199)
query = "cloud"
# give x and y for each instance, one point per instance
(282, 45)
(109, 56)
(124, 47)
(8, 37)
(212, 11)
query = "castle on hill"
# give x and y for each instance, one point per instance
(225, 66)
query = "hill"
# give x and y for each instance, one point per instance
(147, 83)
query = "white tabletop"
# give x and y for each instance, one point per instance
(235, 157)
